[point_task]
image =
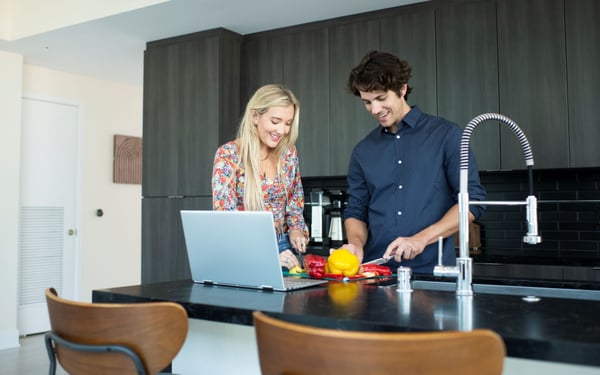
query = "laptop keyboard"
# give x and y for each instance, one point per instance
(296, 282)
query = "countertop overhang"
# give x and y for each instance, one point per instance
(550, 329)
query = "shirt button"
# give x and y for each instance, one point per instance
(399, 213)
(400, 187)
(397, 136)
(399, 161)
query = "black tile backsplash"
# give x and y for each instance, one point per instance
(568, 214)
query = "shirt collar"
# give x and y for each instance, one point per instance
(410, 119)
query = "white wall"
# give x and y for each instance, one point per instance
(109, 246)
(22, 18)
(11, 69)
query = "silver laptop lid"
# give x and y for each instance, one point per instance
(236, 248)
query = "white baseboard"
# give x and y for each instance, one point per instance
(9, 338)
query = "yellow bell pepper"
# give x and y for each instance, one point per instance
(342, 261)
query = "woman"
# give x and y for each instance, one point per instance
(259, 170)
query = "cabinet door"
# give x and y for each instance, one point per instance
(493, 270)
(532, 78)
(538, 272)
(183, 263)
(467, 73)
(161, 115)
(349, 121)
(199, 119)
(262, 63)
(581, 273)
(160, 252)
(411, 36)
(306, 62)
(164, 255)
(583, 60)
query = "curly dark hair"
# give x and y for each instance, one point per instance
(380, 71)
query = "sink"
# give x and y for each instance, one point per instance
(517, 290)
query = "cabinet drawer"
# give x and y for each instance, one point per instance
(582, 273)
(518, 271)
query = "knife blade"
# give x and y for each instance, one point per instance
(381, 260)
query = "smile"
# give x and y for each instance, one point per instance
(383, 114)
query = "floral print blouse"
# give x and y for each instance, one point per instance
(283, 196)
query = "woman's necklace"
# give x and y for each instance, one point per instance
(268, 167)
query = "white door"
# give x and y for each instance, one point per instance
(48, 235)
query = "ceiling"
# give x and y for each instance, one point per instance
(112, 47)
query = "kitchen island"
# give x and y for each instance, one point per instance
(546, 333)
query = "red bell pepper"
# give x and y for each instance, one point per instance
(315, 265)
(377, 269)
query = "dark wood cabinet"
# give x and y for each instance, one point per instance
(261, 63)
(191, 106)
(188, 80)
(583, 80)
(161, 117)
(164, 255)
(536, 272)
(518, 271)
(467, 73)
(585, 274)
(349, 121)
(410, 35)
(202, 81)
(306, 63)
(532, 81)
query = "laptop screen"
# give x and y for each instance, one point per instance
(237, 248)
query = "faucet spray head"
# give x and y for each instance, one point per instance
(532, 236)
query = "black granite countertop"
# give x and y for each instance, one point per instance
(551, 329)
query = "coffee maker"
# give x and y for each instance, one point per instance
(333, 215)
(317, 201)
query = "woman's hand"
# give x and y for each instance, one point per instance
(288, 260)
(298, 240)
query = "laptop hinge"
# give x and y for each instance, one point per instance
(208, 282)
(266, 287)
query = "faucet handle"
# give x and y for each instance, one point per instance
(440, 270)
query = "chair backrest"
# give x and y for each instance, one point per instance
(290, 348)
(155, 331)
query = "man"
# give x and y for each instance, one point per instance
(403, 177)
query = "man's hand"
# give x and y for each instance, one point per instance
(354, 249)
(404, 248)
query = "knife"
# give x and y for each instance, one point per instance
(379, 260)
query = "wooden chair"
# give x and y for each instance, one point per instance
(107, 338)
(290, 348)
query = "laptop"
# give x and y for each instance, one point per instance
(236, 248)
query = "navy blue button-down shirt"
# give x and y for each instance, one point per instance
(399, 184)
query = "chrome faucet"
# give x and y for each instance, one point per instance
(463, 271)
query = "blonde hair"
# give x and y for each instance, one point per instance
(272, 95)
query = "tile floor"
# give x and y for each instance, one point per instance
(30, 358)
